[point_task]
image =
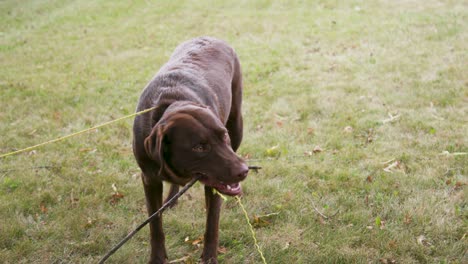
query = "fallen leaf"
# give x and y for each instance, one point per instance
(273, 152)
(387, 261)
(115, 198)
(348, 129)
(43, 208)
(259, 222)
(85, 149)
(382, 224)
(196, 242)
(222, 250)
(90, 223)
(288, 196)
(109, 225)
(392, 244)
(389, 168)
(459, 185)
(57, 116)
(322, 220)
(408, 219)
(391, 118)
(423, 241)
(317, 149)
(378, 221)
(73, 200)
(263, 220)
(185, 259)
(370, 136)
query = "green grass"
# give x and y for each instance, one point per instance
(311, 69)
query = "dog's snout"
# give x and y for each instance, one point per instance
(243, 172)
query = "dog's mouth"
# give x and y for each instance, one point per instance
(231, 189)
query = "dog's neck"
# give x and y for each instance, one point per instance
(168, 107)
(181, 106)
(171, 99)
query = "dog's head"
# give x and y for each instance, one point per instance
(193, 142)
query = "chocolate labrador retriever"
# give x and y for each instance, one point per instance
(193, 132)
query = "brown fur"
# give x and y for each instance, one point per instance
(194, 131)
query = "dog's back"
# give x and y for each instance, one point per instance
(200, 70)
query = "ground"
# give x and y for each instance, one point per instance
(355, 110)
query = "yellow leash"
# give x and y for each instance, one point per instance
(248, 222)
(76, 133)
(251, 229)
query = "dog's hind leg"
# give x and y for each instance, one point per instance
(234, 123)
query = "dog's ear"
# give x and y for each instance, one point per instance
(154, 145)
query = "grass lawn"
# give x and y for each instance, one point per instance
(356, 110)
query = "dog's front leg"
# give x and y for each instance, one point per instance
(213, 208)
(154, 193)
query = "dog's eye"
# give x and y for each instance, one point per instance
(201, 148)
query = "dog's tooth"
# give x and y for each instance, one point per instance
(228, 187)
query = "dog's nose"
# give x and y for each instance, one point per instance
(243, 172)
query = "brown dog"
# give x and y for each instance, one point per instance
(194, 131)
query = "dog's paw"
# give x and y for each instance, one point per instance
(212, 260)
(158, 260)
